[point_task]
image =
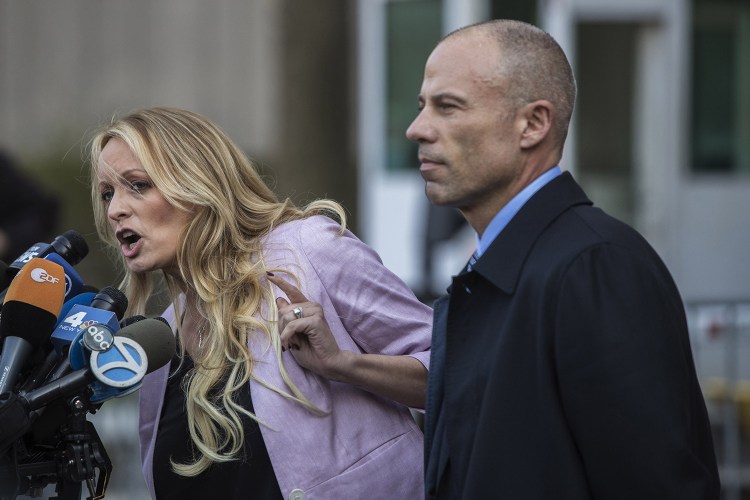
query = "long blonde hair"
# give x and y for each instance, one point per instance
(197, 167)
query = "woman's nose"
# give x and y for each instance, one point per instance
(117, 208)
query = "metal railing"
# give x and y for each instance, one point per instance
(720, 337)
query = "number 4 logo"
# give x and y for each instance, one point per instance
(75, 320)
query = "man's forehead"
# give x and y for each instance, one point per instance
(460, 66)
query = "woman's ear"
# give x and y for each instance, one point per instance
(538, 117)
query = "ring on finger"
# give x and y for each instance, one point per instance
(297, 312)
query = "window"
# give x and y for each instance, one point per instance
(605, 72)
(720, 128)
(521, 10)
(413, 29)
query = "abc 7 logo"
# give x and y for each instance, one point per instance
(121, 367)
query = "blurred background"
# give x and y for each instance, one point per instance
(320, 94)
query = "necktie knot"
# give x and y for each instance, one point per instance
(472, 261)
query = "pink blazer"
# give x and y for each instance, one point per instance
(366, 446)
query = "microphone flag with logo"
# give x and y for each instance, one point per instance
(57, 357)
(121, 367)
(73, 280)
(70, 246)
(107, 308)
(28, 315)
(125, 367)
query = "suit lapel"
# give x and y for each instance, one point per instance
(502, 262)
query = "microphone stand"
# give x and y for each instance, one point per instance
(77, 455)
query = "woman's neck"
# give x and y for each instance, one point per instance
(194, 327)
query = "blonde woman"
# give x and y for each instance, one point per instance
(264, 399)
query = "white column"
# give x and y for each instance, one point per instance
(459, 13)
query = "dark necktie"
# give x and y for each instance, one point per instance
(472, 261)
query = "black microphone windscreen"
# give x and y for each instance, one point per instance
(33, 302)
(27, 321)
(156, 338)
(153, 336)
(71, 246)
(111, 299)
(29, 314)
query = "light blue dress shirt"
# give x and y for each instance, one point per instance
(504, 216)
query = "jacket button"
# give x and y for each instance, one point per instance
(297, 494)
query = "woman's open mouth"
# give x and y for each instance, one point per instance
(130, 243)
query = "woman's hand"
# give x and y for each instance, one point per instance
(305, 332)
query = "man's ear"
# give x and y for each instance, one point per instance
(538, 116)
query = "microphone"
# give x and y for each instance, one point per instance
(136, 350)
(98, 337)
(82, 298)
(55, 357)
(152, 341)
(82, 311)
(73, 280)
(70, 246)
(162, 344)
(28, 315)
(106, 307)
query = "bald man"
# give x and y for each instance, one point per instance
(561, 364)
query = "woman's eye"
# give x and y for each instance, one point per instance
(139, 186)
(106, 196)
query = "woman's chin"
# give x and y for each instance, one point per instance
(137, 267)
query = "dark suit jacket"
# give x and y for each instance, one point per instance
(562, 369)
(28, 212)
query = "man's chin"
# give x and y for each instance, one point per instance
(437, 196)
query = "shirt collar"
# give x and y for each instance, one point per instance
(501, 219)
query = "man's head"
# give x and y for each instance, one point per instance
(495, 105)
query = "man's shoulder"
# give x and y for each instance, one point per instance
(593, 223)
(588, 232)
